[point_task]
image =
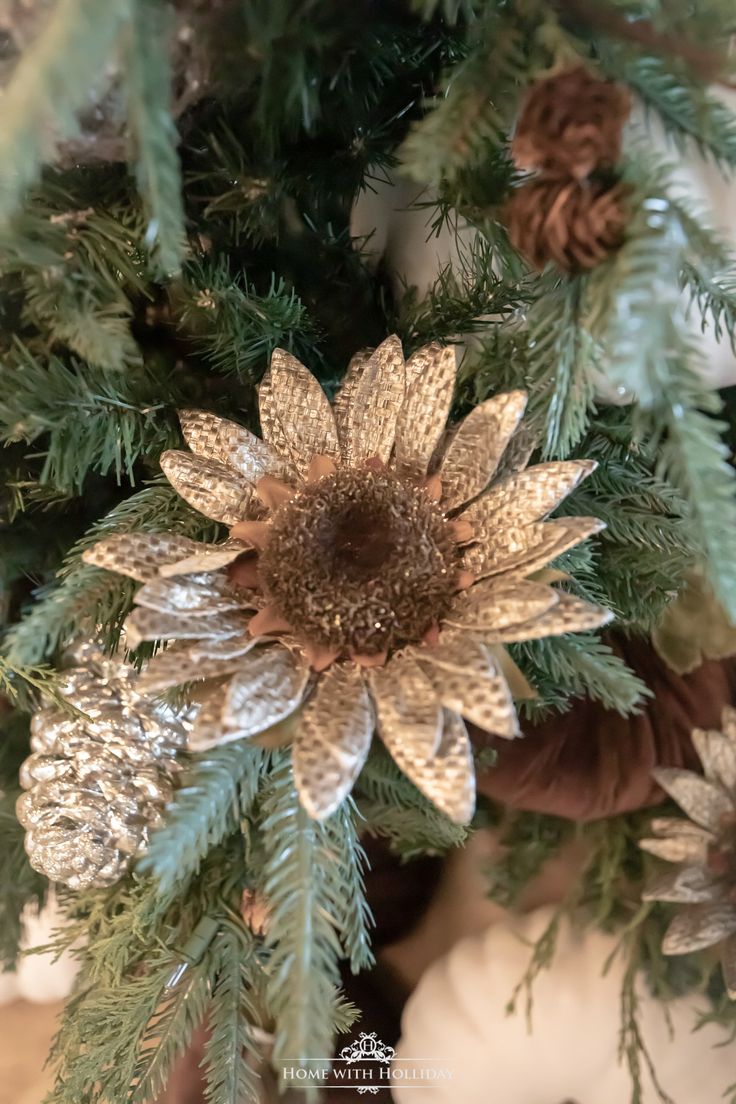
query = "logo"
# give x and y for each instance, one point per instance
(367, 1048)
(368, 1065)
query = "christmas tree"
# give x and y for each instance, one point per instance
(277, 563)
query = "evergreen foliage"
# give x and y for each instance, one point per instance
(127, 291)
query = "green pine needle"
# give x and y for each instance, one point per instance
(148, 80)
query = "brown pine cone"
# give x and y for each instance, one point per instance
(570, 124)
(573, 224)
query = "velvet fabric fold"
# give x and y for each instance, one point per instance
(591, 762)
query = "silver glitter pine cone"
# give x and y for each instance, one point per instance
(98, 780)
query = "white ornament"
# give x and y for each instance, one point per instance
(457, 1020)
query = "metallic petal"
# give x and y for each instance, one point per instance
(718, 755)
(303, 411)
(213, 489)
(175, 666)
(222, 647)
(698, 927)
(139, 555)
(678, 849)
(687, 885)
(333, 740)
(269, 685)
(423, 414)
(457, 651)
(374, 405)
(476, 449)
(526, 496)
(447, 778)
(343, 400)
(728, 965)
(704, 802)
(207, 557)
(521, 550)
(271, 427)
(668, 827)
(228, 443)
(148, 624)
(483, 699)
(207, 730)
(196, 595)
(408, 712)
(570, 614)
(490, 606)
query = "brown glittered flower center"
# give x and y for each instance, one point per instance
(360, 561)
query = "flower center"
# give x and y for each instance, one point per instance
(361, 561)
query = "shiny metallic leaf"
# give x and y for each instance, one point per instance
(407, 708)
(303, 410)
(139, 555)
(370, 418)
(212, 488)
(477, 447)
(526, 496)
(703, 801)
(423, 415)
(494, 605)
(333, 739)
(699, 926)
(269, 685)
(228, 443)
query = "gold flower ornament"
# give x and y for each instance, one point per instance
(376, 566)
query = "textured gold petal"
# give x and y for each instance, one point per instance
(704, 802)
(698, 927)
(678, 849)
(139, 555)
(197, 595)
(526, 496)
(718, 755)
(456, 651)
(728, 965)
(447, 778)
(269, 685)
(343, 400)
(423, 415)
(223, 646)
(149, 624)
(217, 491)
(207, 730)
(175, 666)
(491, 606)
(374, 404)
(207, 557)
(686, 885)
(522, 549)
(406, 706)
(570, 614)
(333, 740)
(303, 410)
(273, 432)
(484, 699)
(476, 449)
(228, 443)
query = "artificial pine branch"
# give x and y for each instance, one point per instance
(148, 83)
(305, 886)
(231, 1056)
(216, 790)
(50, 84)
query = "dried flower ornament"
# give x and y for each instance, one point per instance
(704, 849)
(371, 577)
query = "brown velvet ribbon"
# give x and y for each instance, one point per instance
(591, 762)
